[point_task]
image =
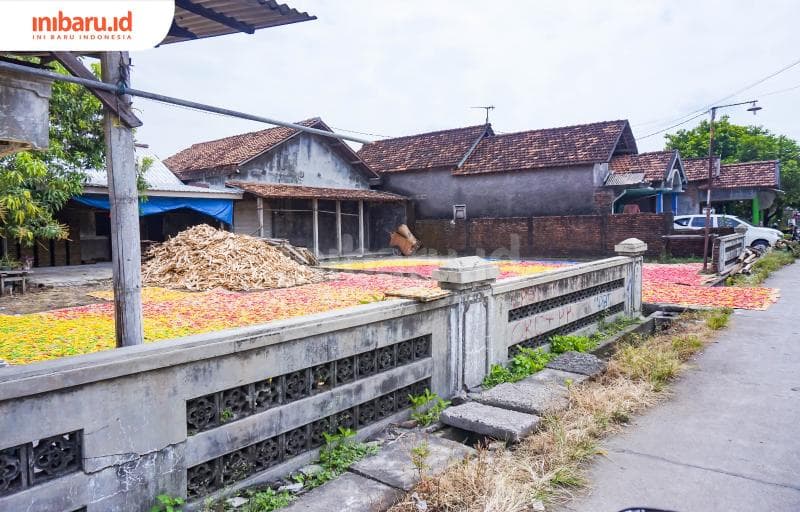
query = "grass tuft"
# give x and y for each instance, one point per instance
(718, 318)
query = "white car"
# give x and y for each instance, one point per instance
(755, 236)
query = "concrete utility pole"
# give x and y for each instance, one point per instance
(706, 230)
(123, 195)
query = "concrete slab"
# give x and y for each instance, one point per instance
(71, 275)
(393, 465)
(578, 362)
(494, 422)
(529, 397)
(348, 493)
(557, 377)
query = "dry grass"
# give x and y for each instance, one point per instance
(549, 466)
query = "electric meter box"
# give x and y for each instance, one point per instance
(24, 112)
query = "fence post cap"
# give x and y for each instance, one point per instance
(631, 247)
(467, 272)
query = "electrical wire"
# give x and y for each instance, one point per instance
(704, 109)
(671, 127)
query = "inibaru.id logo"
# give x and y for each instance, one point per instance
(82, 27)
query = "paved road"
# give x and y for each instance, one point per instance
(729, 439)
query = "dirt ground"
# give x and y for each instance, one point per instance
(39, 299)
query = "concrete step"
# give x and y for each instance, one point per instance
(542, 393)
(348, 493)
(394, 466)
(578, 362)
(503, 424)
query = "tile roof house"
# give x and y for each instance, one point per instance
(312, 190)
(653, 181)
(553, 171)
(757, 182)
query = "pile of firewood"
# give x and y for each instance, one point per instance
(204, 258)
(746, 260)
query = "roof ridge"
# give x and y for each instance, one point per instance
(751, 162)
(433, 132)
(254, 132)
(553, 128)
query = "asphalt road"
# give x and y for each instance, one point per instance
(729, 438)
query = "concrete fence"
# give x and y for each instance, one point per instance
(203, 416)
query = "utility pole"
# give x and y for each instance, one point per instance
(707, 229)
(126, 257)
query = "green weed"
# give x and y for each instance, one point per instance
(167, 503)
(427, 407)
(570, 342)
(341, 451)
(527, 362)
(268, 500)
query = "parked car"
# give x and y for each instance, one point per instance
(755, 236)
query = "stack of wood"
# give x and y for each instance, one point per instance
(299, 254)
(404, 240)
(746, 260)
(203, 258)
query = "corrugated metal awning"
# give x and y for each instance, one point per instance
(623, 179)
(198, 19)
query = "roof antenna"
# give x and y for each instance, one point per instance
(487, 108)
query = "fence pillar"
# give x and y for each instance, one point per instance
(634, 249)
(471, 278)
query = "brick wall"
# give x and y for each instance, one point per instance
(553, 237)
(647, 227)
(568, 236)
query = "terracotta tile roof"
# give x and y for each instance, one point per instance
(697, 168)
(654, 165)
(222, 156)
(551, 147)
(763, 174)
(444, 148)
(229, 152)
(760, 174)
(285, 191)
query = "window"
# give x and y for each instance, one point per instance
(728, 222)
(698, 222)
(682, 222)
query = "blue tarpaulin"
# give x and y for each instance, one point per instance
(221, 209)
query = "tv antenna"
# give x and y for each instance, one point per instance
(487, 108)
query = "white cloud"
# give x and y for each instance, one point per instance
(404, 67)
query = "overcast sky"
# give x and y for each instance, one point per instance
(401, 67)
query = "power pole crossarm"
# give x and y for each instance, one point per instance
(126, 258)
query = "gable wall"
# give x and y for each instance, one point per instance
(304, 160)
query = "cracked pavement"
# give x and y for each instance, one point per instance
(728, 439)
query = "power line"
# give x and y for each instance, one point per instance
(363, 133)
(736, 93)
(671, 127)
(780, 91)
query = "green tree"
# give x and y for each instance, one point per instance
(35, 185)
(736, 143)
